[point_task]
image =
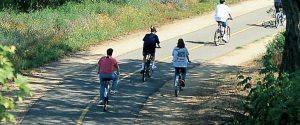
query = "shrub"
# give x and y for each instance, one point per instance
(7, 78)
(275, 99)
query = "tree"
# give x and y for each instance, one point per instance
(9, 79)
(291, 52)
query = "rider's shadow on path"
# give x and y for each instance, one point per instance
(205, 43)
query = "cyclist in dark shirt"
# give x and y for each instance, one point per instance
(149, 46)
(278, 5)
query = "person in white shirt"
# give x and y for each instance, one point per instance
(180, 59)
(222, 14)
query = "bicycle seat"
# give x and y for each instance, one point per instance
(106, 79)
(219, 23)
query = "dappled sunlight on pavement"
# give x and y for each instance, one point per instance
(207, 99)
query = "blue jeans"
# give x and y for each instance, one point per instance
(183, 72)
(112, 76)
(224, 24)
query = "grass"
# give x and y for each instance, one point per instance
(48, 34)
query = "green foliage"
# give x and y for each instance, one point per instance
(276, 98)
(30, 5)
(47, 34)
(272, 58)
(7, 78)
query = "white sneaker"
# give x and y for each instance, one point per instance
(224, 38)
(113, 92)
(154, 67)
(100, 102)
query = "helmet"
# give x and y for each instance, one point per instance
(153, 29)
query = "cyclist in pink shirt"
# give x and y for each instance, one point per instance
(106, 66)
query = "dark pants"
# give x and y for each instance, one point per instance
(277, 6)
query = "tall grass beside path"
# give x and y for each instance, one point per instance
(45, 35)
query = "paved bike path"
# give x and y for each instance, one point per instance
(65, 103)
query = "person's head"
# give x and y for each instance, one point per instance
(153, 29)
(222, 1)
(180, 43)
(109, 51)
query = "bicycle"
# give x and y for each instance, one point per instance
(178, 83)
(107, 90)
(279, 18)
(147, 71)
(219, 33)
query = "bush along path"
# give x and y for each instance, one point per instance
(273, 98)
(13, 87)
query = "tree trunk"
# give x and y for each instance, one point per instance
(291, 52)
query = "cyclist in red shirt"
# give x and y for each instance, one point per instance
(106, 66)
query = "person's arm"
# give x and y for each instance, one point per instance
(229, 13)
(144, 39)
(230, 17)
(187, 55)
(173, 53)
(118, 70)
(157, 41)
(117, 67)
(98, 66)
(188, 58)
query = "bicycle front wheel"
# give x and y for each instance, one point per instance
(150, 71)
(228, 34)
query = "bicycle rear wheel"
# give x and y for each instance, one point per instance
(176, 87)
(106, 95)
(144, 74)
(146, 71)
(282, 19)
(149, 69)
(217, 38)
(176, 92)
(105, 103)
(277, 20)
